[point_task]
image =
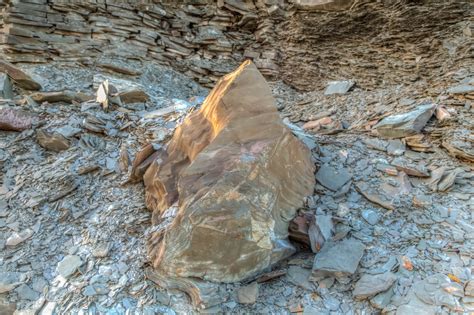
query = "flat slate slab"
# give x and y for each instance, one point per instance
(338, 258)
(339, 87)
(406, 124)
(332, 178)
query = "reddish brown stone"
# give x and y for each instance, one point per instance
(238, 175)
(14, 120)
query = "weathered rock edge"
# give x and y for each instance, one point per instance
(238, 175)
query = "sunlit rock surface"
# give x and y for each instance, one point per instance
(237, 175)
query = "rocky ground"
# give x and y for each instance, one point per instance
(73, 230)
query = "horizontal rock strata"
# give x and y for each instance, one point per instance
(300, 41)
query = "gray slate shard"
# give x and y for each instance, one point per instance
(338, 258)
(370, 285)
(306, 138)
(26, 293)
(338, 87)
(68, 265)
(438, 290)
(382, 299)
(461, 89)
(300, 276)
(331, 178)
(6, 91)
(248, 294)
(407, 124)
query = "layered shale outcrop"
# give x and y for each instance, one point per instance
(304, 42)
(231, 180)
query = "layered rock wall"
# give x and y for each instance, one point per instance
(304, 42)
(204, 39)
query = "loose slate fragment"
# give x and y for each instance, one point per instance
(417, 143)
(302, 135)
(404, 165)
(311, 230)
(395, 147)
(143, 159)
(442, 113)
(118, 69)
(443, 178)
(133, 96)
(300, 276)
(369, 285)
(407, 124)
(21, 79)
(338, 258)
(238, 175)
(95, 124)
(124, 159)
(14, 120)
(107, 94)
(461, 89)
(331, 178)
(17, 238)
(338, 87)
(376, 144)
(52, 141)
(382, 299)
(203, 294)
(8, 282)
(435, 290)
(62, 96)
(6, 91)
(376, 198)
(464, 152)
(68, 266)
(248, 294)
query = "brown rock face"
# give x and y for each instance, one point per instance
(237, 175)
(22, 79)
(14, 120)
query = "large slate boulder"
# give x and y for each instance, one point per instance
(236, 175)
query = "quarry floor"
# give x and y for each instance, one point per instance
(101, 219)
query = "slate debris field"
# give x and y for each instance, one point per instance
(385, 115)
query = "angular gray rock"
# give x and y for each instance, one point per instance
(382, 299)
(370, 216)
(338, 258)
(395, 147)
(332, 178)
(461, 89)
(407, 124)
(436, 290)
(338, 87)
(300, 276)
(248, 294)
(369, 285)
(26, 293)
(9, 281)
(68, 265)
(18, 237)
(6, 91)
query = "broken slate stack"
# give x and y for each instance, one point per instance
(231, 178)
